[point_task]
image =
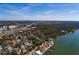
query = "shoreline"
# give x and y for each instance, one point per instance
(40, 50)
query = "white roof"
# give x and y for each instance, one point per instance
(0, 47)
(38, 52)
(10, 48)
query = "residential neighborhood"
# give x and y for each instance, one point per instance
(18, 39)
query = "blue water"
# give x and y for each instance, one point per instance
(66, 45)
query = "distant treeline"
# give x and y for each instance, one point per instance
(73, 23)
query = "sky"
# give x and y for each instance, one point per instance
(39, 11)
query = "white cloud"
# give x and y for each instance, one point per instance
(49, 12)
(36, 4)
(58, 5)
(17, 11)
(7, 7)
(26, 8)
(40, 17)
(74, 11)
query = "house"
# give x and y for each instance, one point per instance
(22, 47)
(18, 40)
(38, 52)
(62, 31)
(0, 48)
(10, 49)
(12, 26)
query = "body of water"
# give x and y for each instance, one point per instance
(66, 45)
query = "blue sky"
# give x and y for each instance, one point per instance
(39, 11)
